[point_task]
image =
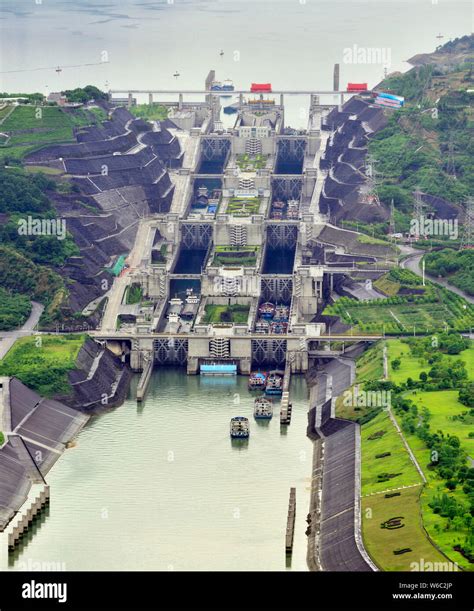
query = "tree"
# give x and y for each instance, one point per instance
(396, 364)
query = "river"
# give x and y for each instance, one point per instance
(293, 44)
(161, 486)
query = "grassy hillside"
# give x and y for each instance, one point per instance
(42, 362)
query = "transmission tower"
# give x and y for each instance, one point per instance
(374, 179)
(391, 226)
(468, 229)
(418, 214)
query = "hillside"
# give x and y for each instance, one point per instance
(429, 144)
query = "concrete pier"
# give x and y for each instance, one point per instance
(285, 408)
(290, 523)
(144, 380)
(37, 499)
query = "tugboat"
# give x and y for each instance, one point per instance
(267, 310)
(239, 428)
(274, 384)
(262, 326)
(263, 409)
(257, 380)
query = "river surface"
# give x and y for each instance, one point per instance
(293, 44)
(161, 486)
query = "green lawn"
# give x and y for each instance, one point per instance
(370, 364)
(398, 462)
(226, 314)
(50, 124)
(42, 362)
(443, 405)
(380, 543)
(242, 207)
(150, 112)
(434, 523)
(410, 366)
(236, 255)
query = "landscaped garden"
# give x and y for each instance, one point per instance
(248, 163)
(432, 397)
(243, 206)
(411, 309)
(216, 314)
(235, 256)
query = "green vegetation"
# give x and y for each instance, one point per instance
(428, 378)
(447, 414)
(134, 294)
(14, 310)
(240, 206)
(150, 112)
(398, 462)
(2, 438)
(245, 162)
(382, 542)
(31, 127)
(19, 274)
(82, 95)
(413, 309)
(455, 265)
(429, 143)
(236, 256)
(43, 362)
(23, 195)
(226, 313)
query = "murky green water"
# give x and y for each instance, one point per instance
(160, 486)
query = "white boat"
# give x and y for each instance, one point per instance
(239, 428)
(263, 408)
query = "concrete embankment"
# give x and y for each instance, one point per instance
(334, 537)
(100, 379)
(36, 432)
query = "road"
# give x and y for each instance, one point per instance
(413, 264)
(141, 248)
(10, 337)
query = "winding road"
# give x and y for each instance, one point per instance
(8, 338)
(413, 264)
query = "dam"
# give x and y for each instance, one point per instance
(221, 224)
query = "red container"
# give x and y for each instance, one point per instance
(356, 86)
(261, 88)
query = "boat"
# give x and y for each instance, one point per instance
(262, 326)
(257, 380)
(226, 85)
(274, 384)
(279, 328)
(239, 428)
(263, 408)
(267, 310)
(282, 313)
(278, 205)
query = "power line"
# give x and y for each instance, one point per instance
(57, 68)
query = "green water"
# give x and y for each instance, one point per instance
(160, 486)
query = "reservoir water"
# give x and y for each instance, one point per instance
(292, 44)
(161, 486)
